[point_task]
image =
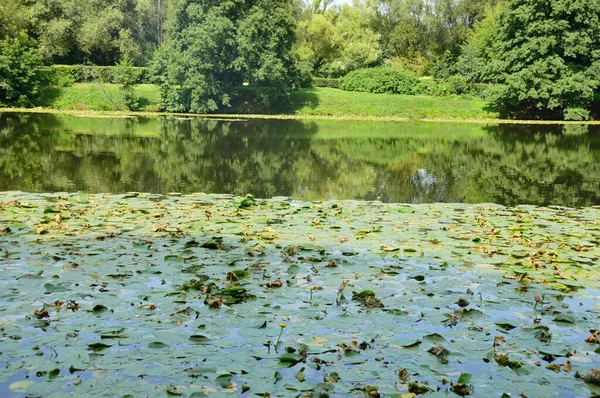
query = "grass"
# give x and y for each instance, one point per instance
(98, 97)
(335, 102)
(307, 102)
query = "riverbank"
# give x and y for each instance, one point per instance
(103, 100)
(305, 103)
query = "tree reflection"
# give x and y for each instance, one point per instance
(395, 162)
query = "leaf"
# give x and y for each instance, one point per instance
(413, 344)
(291, 359)
(505, 326)
(362, 294)
(300, 375)
(224, 380)
(50, 288)
(199, 338)
(98, 309)
(157, 344)
(97, 347)
(464, 378)
(278, 377)
(565, 318)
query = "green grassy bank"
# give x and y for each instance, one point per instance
(310, 102)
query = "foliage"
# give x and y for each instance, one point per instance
(175, 305)
(416, 63)
(213, 48)
(326, 82)
(13, 18)
(381, 80)
(66, 75)
(419, 31)
(126, 76)
(19, 77)
(100, 32)
(334, 42)
(547, 59)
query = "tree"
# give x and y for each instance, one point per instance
(19, 77)
(12, 18)
(96, 31)
(416, 30)
(335, 42)
(548, 58)
(215, 46)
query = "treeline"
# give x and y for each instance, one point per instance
(539, 58)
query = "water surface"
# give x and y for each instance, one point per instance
(412, 162)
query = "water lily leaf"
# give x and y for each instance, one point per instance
(412, 344)
(464, 378)
(98, 309)
(505, 326)
(224, 380)
(98, 347)
(199, 338)
(291, 359)
(157, 344)
(278, 377)
(566, 318)
(62, 287)
(53, 373)
(362, 294)
(300, 375)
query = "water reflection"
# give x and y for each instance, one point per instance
(395, 162)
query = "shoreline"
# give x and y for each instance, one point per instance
(238, 117)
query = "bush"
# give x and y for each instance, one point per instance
(457, 85)
(454, 85)
(58, 75)
(325, 82)
(19, 77)
(66, 75)
(126, 76)
(381, 80)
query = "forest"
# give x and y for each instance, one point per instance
(528, 59)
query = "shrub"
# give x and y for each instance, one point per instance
(19, 77)
(325, 82)
(66, 75)
(58, 75)
(457, 84)
(126, 76)
(427, 86)
(381, 80)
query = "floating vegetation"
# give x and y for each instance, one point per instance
(197, 295)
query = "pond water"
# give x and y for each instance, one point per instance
(401, 162)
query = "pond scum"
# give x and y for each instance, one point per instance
(148, 295)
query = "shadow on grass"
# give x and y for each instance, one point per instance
(48, 96)
(243, 101)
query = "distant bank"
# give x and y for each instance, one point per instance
(307, 103)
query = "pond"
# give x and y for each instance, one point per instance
(395, 162)
(346, 280)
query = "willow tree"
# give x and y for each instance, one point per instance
(214, 46)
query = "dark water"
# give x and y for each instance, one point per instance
(411, 162)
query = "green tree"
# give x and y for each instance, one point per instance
(12, 17)
(416, 30)
(334, 42)
(126, 76)
(215, 46)
(548, 58)
(19, 63)
(96, 31)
